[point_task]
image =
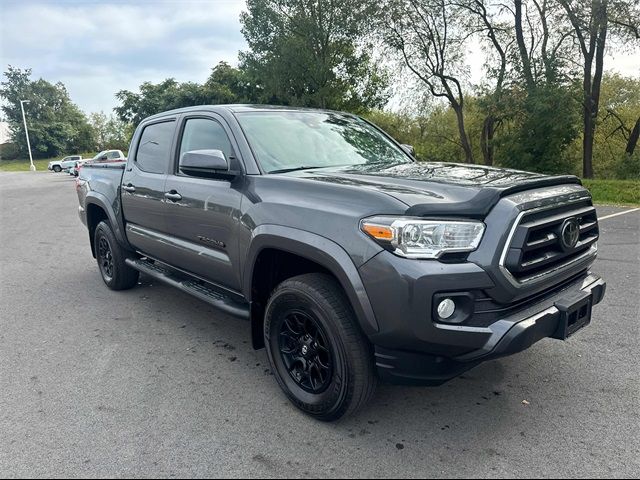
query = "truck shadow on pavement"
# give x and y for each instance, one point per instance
(216, 351)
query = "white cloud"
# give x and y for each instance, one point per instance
(98, 48)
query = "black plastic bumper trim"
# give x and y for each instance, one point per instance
(420, 368)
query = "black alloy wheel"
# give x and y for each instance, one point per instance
(105, 259)
(111, 257)
(317, 352)
(305, 351)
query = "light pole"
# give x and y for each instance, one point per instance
(26, 132)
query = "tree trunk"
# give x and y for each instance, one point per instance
(592, 86)
(588, 122)
(464, 139)
(587, 144)
(633, 139)
(522, 47)
(486, 139)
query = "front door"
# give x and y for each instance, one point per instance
(202, 214)
(143, 188)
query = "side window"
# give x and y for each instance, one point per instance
(154, 148)
(204, 134)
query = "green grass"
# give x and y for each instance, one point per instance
(614, 192)
(23, 165)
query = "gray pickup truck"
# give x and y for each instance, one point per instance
(351, 260)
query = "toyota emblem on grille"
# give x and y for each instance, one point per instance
(570, 233)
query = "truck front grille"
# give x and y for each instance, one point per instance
(547, 240)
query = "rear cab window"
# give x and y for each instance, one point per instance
(154, 147)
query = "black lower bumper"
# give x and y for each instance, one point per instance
(556, 317)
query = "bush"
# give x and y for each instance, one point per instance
(539, 131)
(9, 151)
(628, 167)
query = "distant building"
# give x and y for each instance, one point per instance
(5, 135)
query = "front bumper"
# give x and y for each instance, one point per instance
(506, 336)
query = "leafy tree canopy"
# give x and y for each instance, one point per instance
(56, 125)
(226, 84)
(312, 53)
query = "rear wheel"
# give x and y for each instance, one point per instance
(116, 274)
(318, 355)
(57, 168)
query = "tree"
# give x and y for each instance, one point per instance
(484, 19)
(226, 84)
(312, 53)
(429, 37)
(56, 125)
(616, 138)
(592, 21)
(539, 125)
(110, 132)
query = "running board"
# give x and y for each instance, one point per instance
(197, 288)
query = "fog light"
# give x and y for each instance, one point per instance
(446, 308)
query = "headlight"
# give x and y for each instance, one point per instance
(419, 238)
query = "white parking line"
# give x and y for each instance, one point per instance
(619, 213)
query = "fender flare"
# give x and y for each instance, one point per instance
(100, 200)
(320, 250)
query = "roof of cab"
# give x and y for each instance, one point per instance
(234, 108)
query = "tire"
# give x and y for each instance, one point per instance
(57, 168)
(116, 274)
(334, 375)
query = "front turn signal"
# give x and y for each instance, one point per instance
(379, 232)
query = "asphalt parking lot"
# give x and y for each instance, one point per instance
(151, 382)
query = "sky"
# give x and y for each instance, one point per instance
(97, 48)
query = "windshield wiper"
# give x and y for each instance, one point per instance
(294, 169)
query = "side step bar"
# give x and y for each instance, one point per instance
(194, 287)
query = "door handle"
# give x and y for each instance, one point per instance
(173, 196)
(129, 188)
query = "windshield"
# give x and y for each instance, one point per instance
(289, 140)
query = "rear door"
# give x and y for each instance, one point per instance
(143, 187)
(203, 213)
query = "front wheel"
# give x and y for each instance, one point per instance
(116, 274)
(57, 168)
(319, 357)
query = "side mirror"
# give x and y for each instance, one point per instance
(103, 158)
(208, 163)
(409, 149)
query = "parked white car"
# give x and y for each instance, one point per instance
(109, 156)
(65, 164)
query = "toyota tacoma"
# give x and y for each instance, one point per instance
(352, 261)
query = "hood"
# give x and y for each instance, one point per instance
(438, 188)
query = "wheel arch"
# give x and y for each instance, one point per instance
(98, 208)
(307, 250)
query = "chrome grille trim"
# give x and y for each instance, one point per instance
(591, 252)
